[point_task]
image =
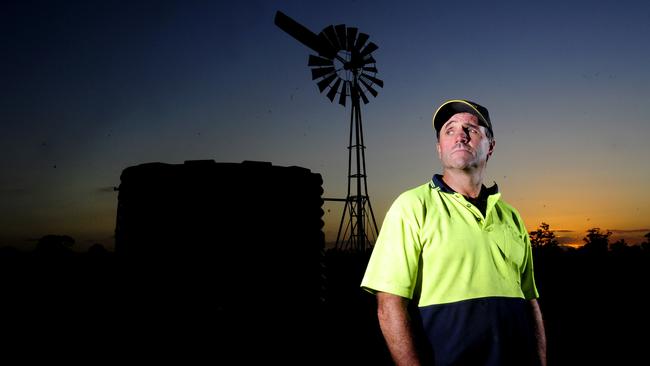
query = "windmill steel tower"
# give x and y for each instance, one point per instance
(345, 65)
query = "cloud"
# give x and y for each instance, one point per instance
(109, 189)
(621, 231)
(563, 231)
(566, 240)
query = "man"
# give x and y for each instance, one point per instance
(452, 267)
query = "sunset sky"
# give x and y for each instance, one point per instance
(89, 88)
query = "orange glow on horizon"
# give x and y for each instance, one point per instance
(572, 245)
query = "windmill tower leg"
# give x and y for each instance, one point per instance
(358, 232)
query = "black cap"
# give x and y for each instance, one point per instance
(451, 107)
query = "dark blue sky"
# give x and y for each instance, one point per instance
(89, 88)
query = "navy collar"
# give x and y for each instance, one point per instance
(438, 182)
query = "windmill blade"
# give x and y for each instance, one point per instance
(362, 94)
(319, 72)
(335, 88)
(327, 44)
(370, 47)
(344, 93)
(373, 79)
(369, 60)
(368, 87)
(322, 85)
(342, 36)
(319, 61)
(330, 33)
(300, 33)
(361, 40)
(351, 37)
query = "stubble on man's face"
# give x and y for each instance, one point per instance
(463, 143)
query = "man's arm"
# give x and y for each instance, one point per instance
(395, 324)
(540, 334)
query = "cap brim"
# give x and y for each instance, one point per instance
(449, 108)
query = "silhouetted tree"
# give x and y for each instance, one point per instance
(543, 237)
(97, 250)
(646, 244)
(54, 245)
(9, 252)
(595, 241)
(619, 246)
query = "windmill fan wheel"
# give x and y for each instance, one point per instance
(347, 67)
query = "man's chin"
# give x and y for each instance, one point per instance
(462, 164)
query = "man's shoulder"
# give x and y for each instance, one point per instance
(510, 211)
(507, 206)
(418, 193)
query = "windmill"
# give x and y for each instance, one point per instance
(345, 68)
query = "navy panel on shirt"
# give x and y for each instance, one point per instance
(494, 331)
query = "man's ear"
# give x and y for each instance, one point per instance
(438, 149)
(491, 148)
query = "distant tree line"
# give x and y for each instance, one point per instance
(595, 241)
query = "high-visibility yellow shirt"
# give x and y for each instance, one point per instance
(437, 247)
(469, 273)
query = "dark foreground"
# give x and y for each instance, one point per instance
(96, 307)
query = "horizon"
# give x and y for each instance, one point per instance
(90, 89)
(566, 238)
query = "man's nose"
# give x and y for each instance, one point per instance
(462, 135)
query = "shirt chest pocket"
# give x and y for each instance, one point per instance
(511, 245)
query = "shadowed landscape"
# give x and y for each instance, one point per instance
(226, 263)
(215, 258)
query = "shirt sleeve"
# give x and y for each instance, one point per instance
(393, 265)
(528, 286)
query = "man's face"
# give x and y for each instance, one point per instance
(463, 143)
